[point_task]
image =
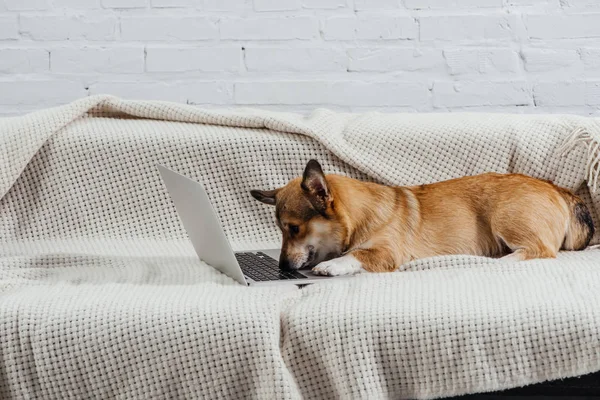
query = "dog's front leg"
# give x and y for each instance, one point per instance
(360, 260)
(347, 264)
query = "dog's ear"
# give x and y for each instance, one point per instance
(265, 196)
(314, 185)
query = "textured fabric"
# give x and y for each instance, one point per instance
(102, 296)
(434, 330)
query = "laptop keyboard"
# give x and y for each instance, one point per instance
(260, 267)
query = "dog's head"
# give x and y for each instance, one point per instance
(305, 213)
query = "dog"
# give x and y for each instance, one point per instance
(341, 226)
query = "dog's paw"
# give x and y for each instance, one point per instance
(516, 256)
(345, 265)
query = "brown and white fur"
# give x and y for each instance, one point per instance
(341, 226)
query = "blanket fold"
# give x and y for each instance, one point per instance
(101, 293)
(587, 134)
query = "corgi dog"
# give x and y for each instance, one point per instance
(340, 226)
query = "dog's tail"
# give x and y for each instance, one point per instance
(581, 227)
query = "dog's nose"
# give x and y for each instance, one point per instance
(284, 264)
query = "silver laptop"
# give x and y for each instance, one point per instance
(259, 267)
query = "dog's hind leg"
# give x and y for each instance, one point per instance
(530, 232)
(523, 254)
(517, 255)
(526, 246)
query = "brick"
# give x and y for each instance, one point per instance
(592, 93)
(340, 28)
(581, 4)
(370, 28)
(563, 26)
(46, 93)
(193, 92)
(26, 5)
(380, 94)
(270, 28)
(168, 28)
(124, 3)
(567, 93)
(394, 59)
(77, 4)
(559, 94)
(336, 93)
(526, 3)
(461, 61)
(9, 28)
(68, 27)
(294, 59)
(175, 3)
(227, 5)
(23, 61)
(450, 4)
(324, 4)
(360, 5)
(102, 60)
(482, 93)
(590, 58)
(468, 27)
(547, 60)
(277, 5)
(7, 112)
(284, 92)
(209, 59)
(386, 28)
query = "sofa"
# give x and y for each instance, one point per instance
(102, 295)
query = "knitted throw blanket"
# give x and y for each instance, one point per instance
(101, 295)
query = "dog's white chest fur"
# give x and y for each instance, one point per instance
(345, 265)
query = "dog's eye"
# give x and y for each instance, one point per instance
(294, 229)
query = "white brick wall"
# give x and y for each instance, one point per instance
(351, 55)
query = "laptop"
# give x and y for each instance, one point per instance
(259, 267)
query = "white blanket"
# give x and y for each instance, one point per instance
(102, 296)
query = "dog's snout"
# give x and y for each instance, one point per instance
(298, 258)
(284, 264)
